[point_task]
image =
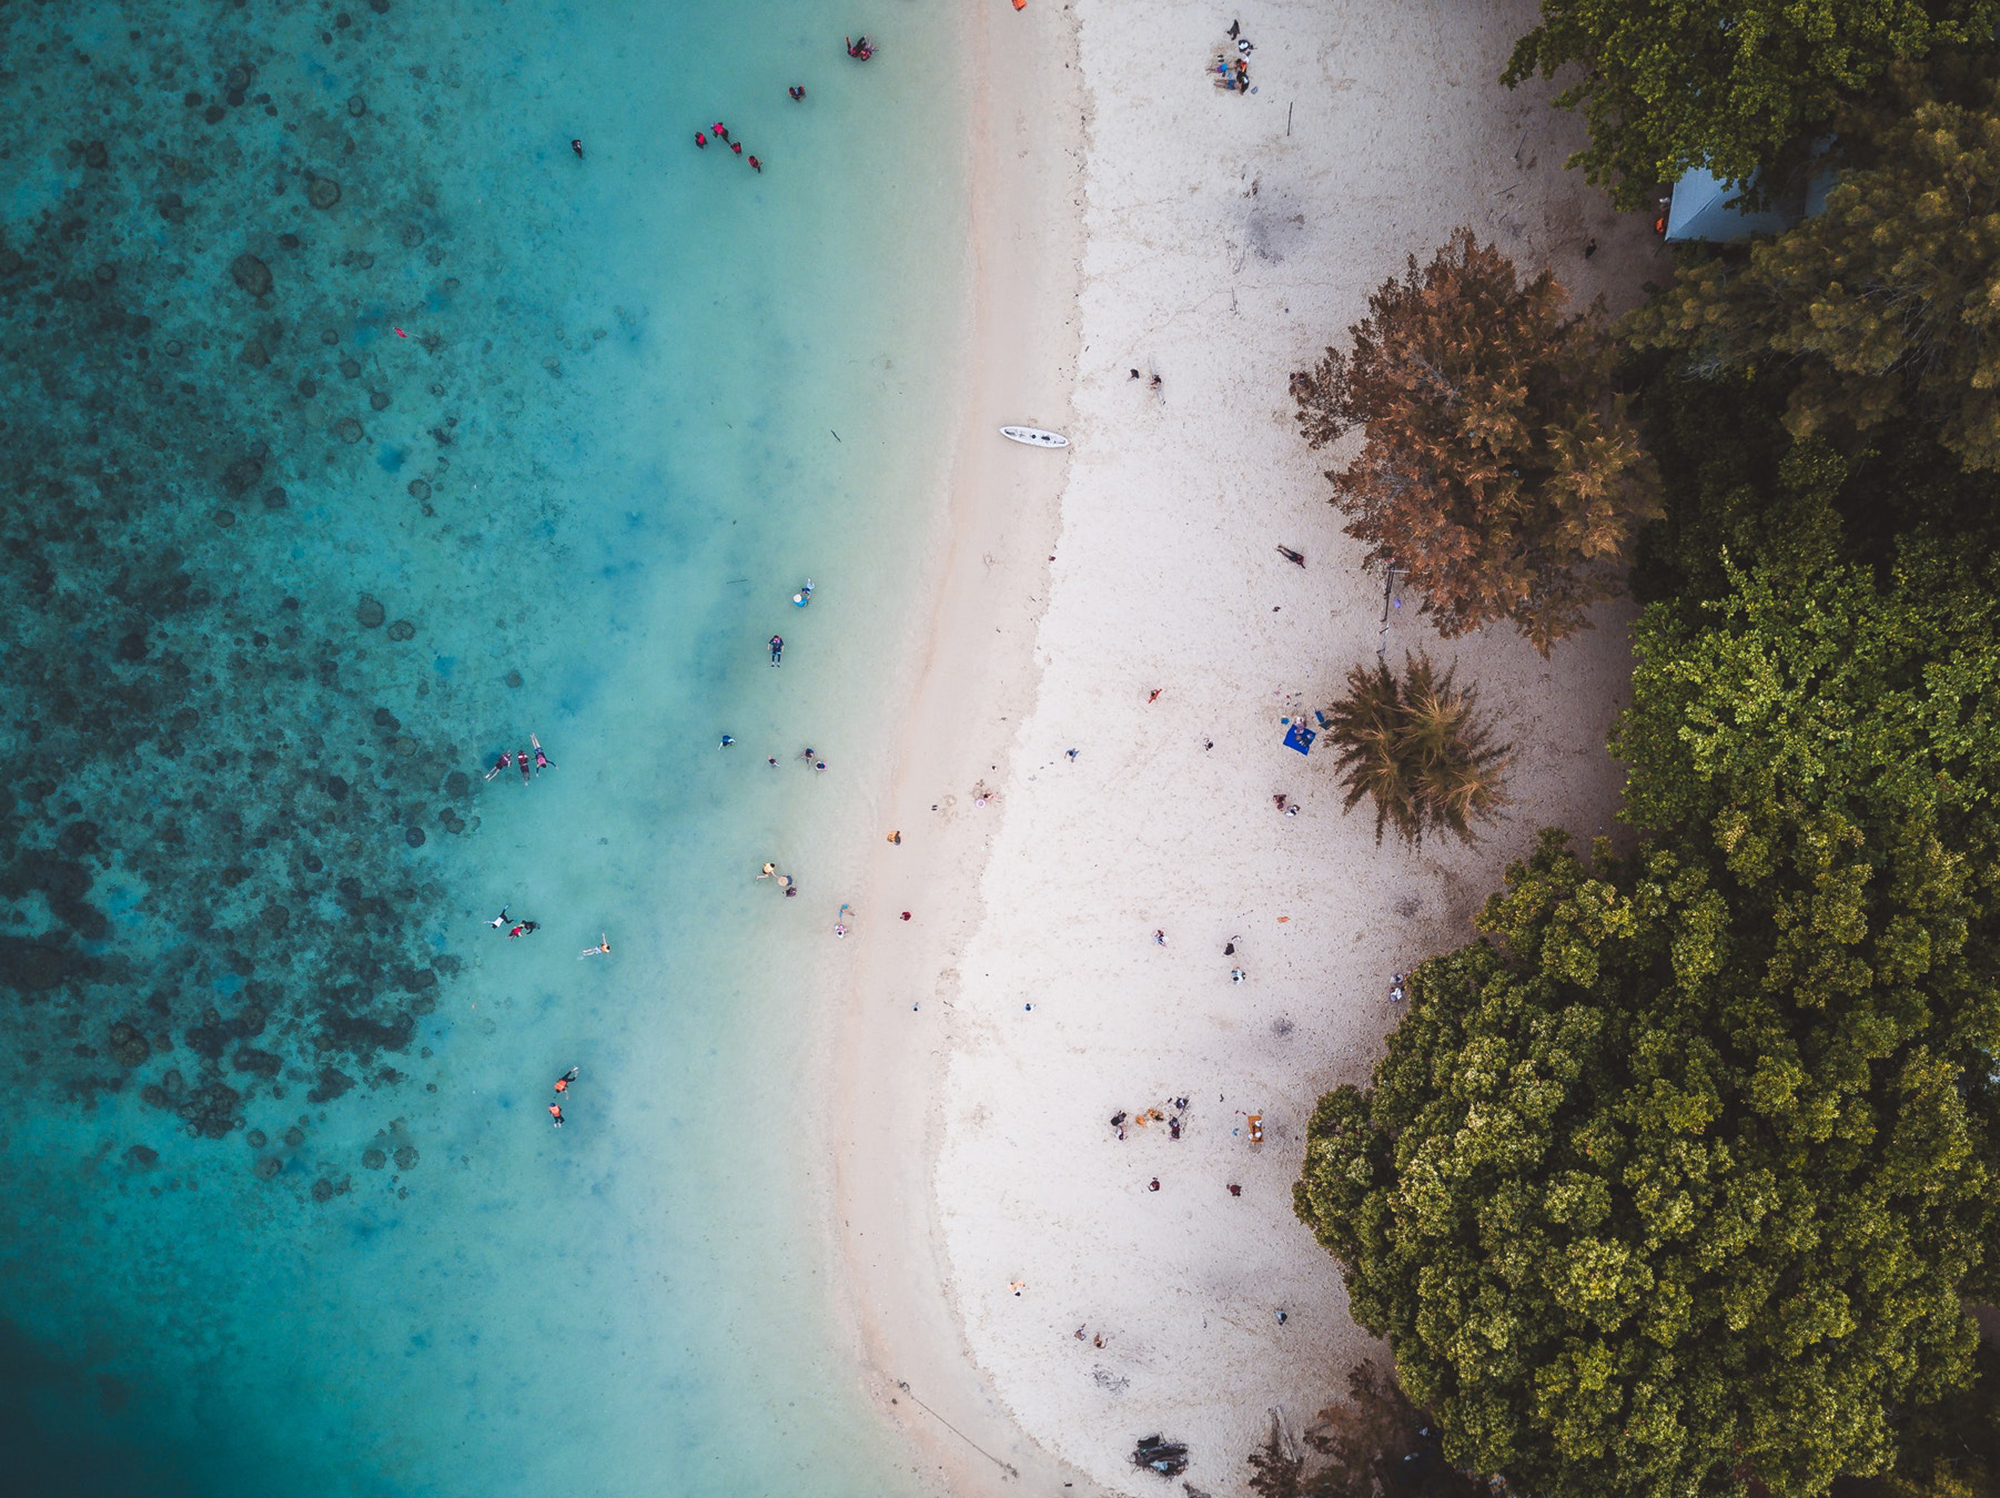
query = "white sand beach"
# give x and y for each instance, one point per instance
(1130, 215)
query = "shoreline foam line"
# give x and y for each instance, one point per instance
(971, 681)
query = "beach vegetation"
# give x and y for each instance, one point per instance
(1885, 307)
(1373, 1444)
(1667, 1186)
(1729, 85)
(1500, 473)
(1679, 1178)
(1419, 748)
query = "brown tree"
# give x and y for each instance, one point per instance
(1419, 748)
(1500, 474)
(1374, 1444)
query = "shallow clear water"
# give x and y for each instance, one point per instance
(284, 1212)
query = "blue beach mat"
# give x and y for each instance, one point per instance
(1300, 737)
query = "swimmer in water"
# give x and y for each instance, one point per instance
(542, 761)
(500, 764)
(602, 949)
(499, 920)
(577, 146)
(777, 649)
(798, 92)
(527, 770)
(555, 1114)
(804, 596)
(563, 1081)
(727, 740)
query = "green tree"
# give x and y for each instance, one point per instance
(1727, 84)
(1500, 473)
(1419, 748)
(1678, 1178)
(1640, 1211)
(1887, 305)
(1952, 1450)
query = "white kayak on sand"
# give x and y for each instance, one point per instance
(1034, 436)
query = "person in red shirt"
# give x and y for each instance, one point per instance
(555, 1114)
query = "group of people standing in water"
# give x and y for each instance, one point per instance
(858, 48)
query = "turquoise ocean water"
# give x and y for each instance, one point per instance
(284, 1212)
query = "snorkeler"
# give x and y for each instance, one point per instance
(500, 764)
(524, 928)
(563, 1081)
(527, 770)
(499, 920)
(542, 761)
(555, 1114)
(577, 146)
(602, 949)
(777, 649)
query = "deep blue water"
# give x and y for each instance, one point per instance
(353, 431)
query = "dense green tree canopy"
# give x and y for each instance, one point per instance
(1637, 1217)
(1728, 84)
(1888, 303)
(1679, 1177)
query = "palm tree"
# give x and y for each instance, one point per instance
(1419, 748)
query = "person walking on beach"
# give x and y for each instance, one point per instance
(503, 762)
(602, 949)
(777, 649)
(542, 761)
(1159, 938)
(563, 1081)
